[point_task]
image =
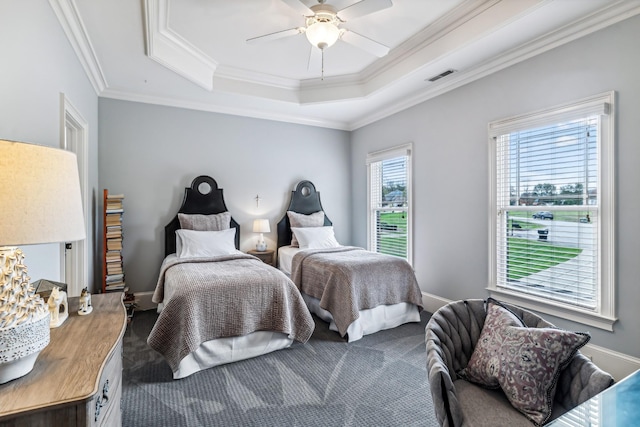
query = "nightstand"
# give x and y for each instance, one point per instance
(265, 256)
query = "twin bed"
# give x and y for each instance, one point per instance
(358, 292)
(218, 305)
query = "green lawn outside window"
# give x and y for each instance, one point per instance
(390, 241)
(526, 256)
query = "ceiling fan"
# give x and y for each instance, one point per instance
(322, 28)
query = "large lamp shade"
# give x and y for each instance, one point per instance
(40, 199)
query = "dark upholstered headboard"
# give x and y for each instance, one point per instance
(197, 200)
(305, 200)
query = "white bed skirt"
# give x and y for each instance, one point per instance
(232, 349)
(226, 350)
(371, 320)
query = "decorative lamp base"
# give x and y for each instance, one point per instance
(20, 346)
(17, 368)
(261, 246)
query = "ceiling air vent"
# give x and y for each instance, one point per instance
(441, 75)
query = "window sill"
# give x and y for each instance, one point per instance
(560, 310)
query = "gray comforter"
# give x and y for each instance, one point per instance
(224, 296)
(348, 279)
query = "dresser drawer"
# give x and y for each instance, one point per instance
(104, 408)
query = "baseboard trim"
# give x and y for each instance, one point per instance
(143, 301)
(432, 303)
(619, 365)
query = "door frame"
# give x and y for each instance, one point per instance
(74, 137)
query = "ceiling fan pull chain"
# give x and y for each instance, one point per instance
(322, 66)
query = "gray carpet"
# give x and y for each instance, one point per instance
(379, 380)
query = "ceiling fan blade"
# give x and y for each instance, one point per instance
(276, 35)
(363, 7)
(315, 59)
(299, 7)
(365, 43)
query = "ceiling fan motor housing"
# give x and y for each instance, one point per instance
(322, 28)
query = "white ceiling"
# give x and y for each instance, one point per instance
(193, 53)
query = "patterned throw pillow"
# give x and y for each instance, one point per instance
(296, 220)
(197, 222)
(524, 362)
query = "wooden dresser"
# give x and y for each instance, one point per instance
(77, 378)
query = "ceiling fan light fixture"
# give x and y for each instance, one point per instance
(322, 34)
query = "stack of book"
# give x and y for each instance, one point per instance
(114, 278)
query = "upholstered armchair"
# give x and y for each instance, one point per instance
(451, 336)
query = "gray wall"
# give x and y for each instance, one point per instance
(151, 153)
(38, 64)
(451, 166)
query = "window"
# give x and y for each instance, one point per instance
(552, 211)
(389, 186)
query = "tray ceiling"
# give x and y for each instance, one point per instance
(193, 53)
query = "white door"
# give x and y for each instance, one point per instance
(74, 137)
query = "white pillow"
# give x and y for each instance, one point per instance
(296, 219)
(315, 237)
(192, 243)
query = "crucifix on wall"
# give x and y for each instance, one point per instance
(258, 200)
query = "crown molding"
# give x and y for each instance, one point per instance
(598, 20)
(69, 18)
(171, 50)
(254, 77)
(225, 109)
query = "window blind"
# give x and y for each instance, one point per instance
(389, 190)
(548, 211)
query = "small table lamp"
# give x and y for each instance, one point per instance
(261, 226)
(40, 202)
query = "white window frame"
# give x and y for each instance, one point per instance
(378, 156)
(603, 316)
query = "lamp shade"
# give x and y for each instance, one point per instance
(40, 199)
(261, 226)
